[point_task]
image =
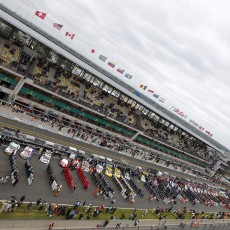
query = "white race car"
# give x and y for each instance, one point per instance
(46, 157)
(85, 166)
(127, 176)
(27, 153)
(64, 162)
(12, 148)
(99, 168)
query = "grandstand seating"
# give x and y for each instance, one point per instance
(10, 54)
(85, 91)
(92, 98)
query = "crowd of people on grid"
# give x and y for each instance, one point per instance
(108, 141)
(116, 143)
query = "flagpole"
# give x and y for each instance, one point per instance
(25, 6)
(17, 9)
(31, 18)
(83, 49)
(28, 14)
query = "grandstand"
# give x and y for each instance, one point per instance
(37, 70)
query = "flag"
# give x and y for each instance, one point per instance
(162, 100)
(156, 96)
(102, 58)
(180, 113)
(144, 87)
(208, 133)
(111, 64)
(175, 110)
(119, 70)
(40, 14)
(128, 76)
(151, 91)
(57, 26)
(71, 36)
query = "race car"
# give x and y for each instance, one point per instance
(64, 162)
(12, 148)
(85, 166)
(109, 171)
(74, 163)
(46, 157)
(143, 178)
(127, 176)
(27, 153)
(99, 168)
(117, 172)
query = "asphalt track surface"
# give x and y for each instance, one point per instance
(90, 225)
(40, 187)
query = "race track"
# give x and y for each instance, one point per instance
(40, 187)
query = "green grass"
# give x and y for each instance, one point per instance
(20, 213)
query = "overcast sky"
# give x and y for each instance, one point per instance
(178, 48)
